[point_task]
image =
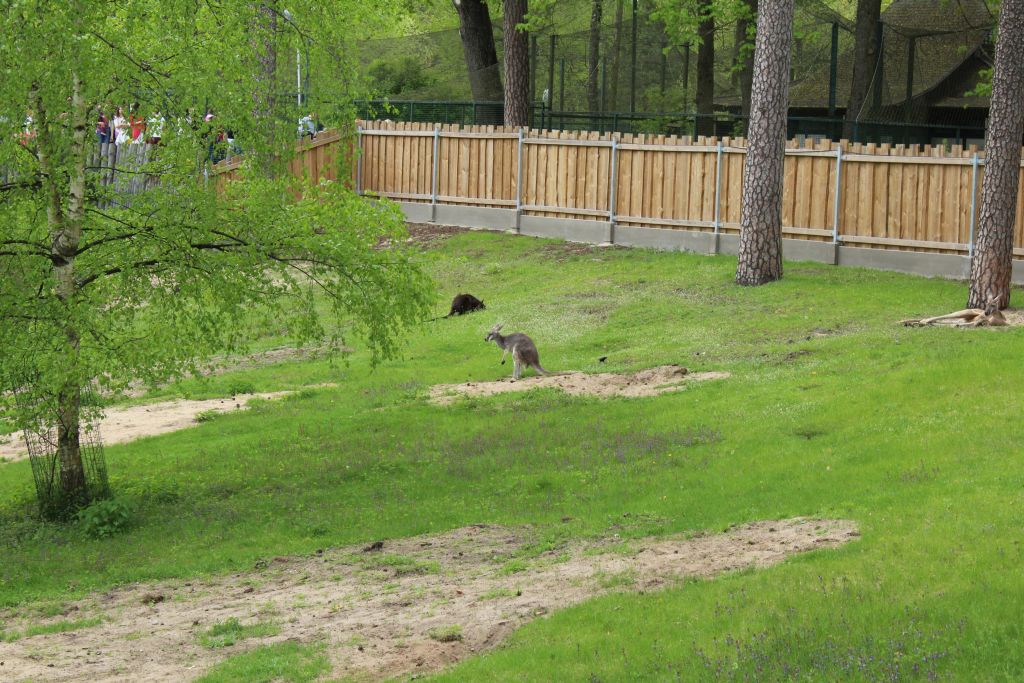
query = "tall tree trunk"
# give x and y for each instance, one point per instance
(992, 263)
(65, 228)
(478, 49)
(865, 59)
(705, 70)
(517, 66)
(594, 57)
(264, 35)
(613, 91)
(743, 58)
(760, 257)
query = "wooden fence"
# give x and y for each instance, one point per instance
(878, 196)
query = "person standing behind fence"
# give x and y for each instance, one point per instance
(155, 128)
(121, 131)
(138, 124)
(103, 133)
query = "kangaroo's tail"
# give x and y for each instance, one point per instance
(538, 368)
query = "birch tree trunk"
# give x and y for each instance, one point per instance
(760, 256)
(65, 228)
(264, 33)
(706, 70)
(478, 49)
(517, 66)
(992, 264)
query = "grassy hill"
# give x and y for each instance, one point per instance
(832, 409)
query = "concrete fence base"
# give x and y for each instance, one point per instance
(951, 266)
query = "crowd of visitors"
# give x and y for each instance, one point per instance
(115, 126)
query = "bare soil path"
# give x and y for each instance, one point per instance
(649, 382)
(406, 606)
(128, 423)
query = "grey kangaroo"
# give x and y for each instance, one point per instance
(524, 351)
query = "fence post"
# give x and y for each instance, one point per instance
(519, 178)
(359, 160)
(433, 175)
(718, 193)
(611, 190)
(974, 206)
(835, 207)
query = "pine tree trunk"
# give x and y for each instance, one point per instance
(613, 90)
(706, 70)
(992, 264)
(594, 57)
(743, 60)
(865, 58)
(517, 66)
(478, 49)
(760, 256)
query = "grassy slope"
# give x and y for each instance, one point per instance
(912, 433)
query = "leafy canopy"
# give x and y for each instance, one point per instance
(182, 269)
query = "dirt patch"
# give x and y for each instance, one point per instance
(649, 382)
(413, 605)
(124, 424)
(426, 235)
(1014, 318)
(563, 251)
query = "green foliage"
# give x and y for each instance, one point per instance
(240, 386)
(105, 518)
(446, 634)
(284, 662)
(207, 415)
(141, 292)
(63, 626)
(401, 76)
(231, 631)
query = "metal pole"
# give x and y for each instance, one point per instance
(519, 179)
(911, 52)
(632, 80)
(835, 207)
(974, 203)
(433, 180)
(604, 83)
(359, 160)
(551, 74)
(611, 190)
(833, 71)
(561, 87)
(718, 192)
(298, 75)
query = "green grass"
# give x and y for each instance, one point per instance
(63, 626)
(832, 409)
(284, 662)
(229, 632)
(446, 634)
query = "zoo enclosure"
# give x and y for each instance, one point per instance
(892, 197)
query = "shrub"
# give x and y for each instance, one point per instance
(104, 518)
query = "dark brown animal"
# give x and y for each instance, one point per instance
(461, 305)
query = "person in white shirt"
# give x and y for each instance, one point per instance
(122, 130)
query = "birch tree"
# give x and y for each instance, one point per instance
(94, 289)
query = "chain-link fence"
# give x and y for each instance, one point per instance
(932, 53)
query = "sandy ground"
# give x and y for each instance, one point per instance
(120, 425)
(379, 608)
(649, 382)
